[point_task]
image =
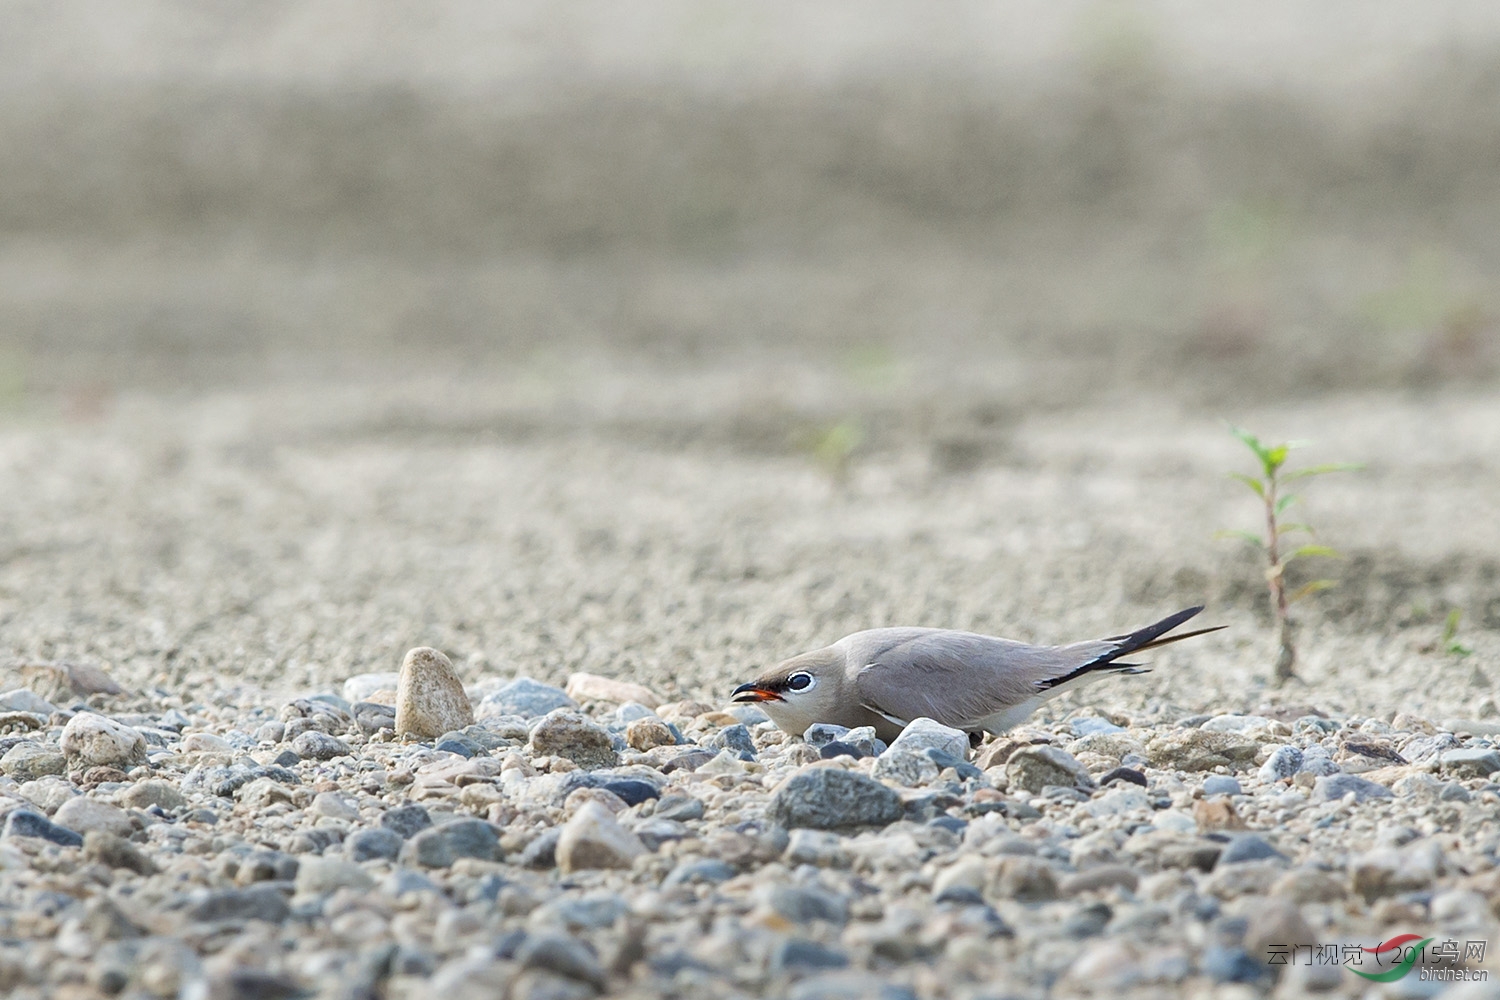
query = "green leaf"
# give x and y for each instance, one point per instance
(1275, 458)
(1285, 502)
(1248, 536)
(1306, 551)
(1291, 526)
(1250, 440)
(1308, 589)
(1250, 481)
(1322, 470)
(1450, 626)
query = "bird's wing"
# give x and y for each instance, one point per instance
(956, 678)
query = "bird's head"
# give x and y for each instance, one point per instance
(799, 692)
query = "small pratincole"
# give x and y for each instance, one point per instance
(886, 677)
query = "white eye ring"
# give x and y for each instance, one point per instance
(801, 681)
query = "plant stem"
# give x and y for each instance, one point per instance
(1276, 579)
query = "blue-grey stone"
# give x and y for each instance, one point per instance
(829, 799)
(372, 843)
(944, 759)
(1090, 724)
(485, 889)
(821, 733)
(542, 852)
(317, 745)
(848, 984)
(25, 823)
(331, 699)
(1420, 748)
(632, 790)
(1317, 762)
(838, 748)
(1221, 784)
(710, 870)
(483, 738)
(1284, 762)
(593, 912)
(463, 748)
(1128, 774)
(528, 698)
(1233, 965)
(688, 760)
(750, 715)
(1470, 762)
(566, 956)
(1248, 847)
(265, 901)
(1088, 921)
(286, 759)
(1334, 787)
(407, 820)
(440, 846)
(403, 880)
(679, 807)
(735, 738)
(1454, 792)
(800, 953)
(950, 823)
(805, 904)
(631, 711)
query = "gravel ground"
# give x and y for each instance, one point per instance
(249, 565)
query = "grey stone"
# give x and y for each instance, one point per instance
(1033, 768)
(1470, 762)
(849, 984)
(116, 852)
(710, 870)
(799, 953)
(84, 814)
(28, 760)
(825, 798)
(566, 733)
(1221, 784)
(1333, 787)
(1248, 847)
(376, 843)
(542, 851)
(820, 733)
(923, 734)
(526, 698)
(805, 904)
(1283, 762)
(565, 956)
(260, 902)
(681, 808)
(324, 875)
(407, 820)
(25, 700)
(736, 738)
(904, 767)
(440, 846)
(25, 823)
(317, 745)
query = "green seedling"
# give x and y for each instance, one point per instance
(833, 447)
(1450, 642)
(1272, 540)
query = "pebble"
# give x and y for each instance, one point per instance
(567, 733)
(25, 823)
(406, 821)
(86, 815)
(372, 844)
(430, 698)
(316, 745)
(440, 846)
(91, 740)
(526, 698)
(27, 761)
(593, 687)
(1334, 787)
(1248, 847)
(1470, 762)
(1033, 768)
(1221, 784)
(648, 734)
(593, 839)
(922, 734)
(825, 798)
(1281, 765)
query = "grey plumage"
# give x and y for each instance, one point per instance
(887, 677)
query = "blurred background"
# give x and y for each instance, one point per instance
(1252, 198)
(858, 311)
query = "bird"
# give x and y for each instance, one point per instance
(886, 677)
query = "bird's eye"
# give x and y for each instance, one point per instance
(799, 682)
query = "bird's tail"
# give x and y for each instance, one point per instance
(1109, 651)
